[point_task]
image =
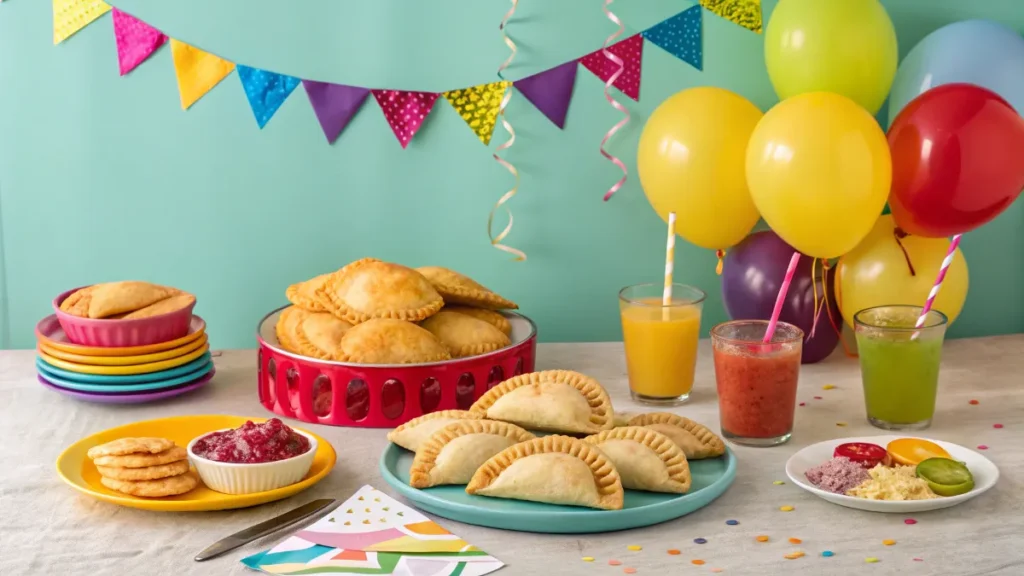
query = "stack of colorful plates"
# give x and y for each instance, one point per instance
(123, 375)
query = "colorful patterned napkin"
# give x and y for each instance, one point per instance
(371, 533)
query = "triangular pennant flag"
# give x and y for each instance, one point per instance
(478, 106)
(681, 36)
(405, 111)
(135, 39)
(550, 91)
(334, 105)
(70, 16)
(746, 13)
(266, 91)
(631, 51)
(197, 71)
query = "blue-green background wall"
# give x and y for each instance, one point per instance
(104, 177)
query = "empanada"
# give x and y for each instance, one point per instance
(464, 335)
(458, 288)
(318, 335)
(287, 327)
(117, 297)
(552, 469)
(170, 304)
(553, 400)
(304, 294)
(645, 459)
(416, 431)
(77, 303)
(695, 439)
(452, 454)
(368, 289)
(493, 318)
(386, 341)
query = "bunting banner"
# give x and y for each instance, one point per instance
(335, 105)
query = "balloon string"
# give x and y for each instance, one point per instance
(615, 104)
(814, 290)
(721, 256)
(496, 240)
(900, 235)
(839, 303)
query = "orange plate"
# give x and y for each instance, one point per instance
(75, 468)
(49, 332)
(125, 360)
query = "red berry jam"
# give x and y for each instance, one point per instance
(252, 443)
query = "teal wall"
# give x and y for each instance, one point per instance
(104, 177)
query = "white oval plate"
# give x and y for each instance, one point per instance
(984, 471)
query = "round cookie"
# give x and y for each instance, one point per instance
(175, 454)
(153, 488)
(148, 473)
(123, 446)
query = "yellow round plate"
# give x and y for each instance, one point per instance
(124, 360)
(75, 468)
(124, 370)
(49, 332)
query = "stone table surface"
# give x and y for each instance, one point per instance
(48, 528)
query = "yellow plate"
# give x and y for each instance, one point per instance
(49, 332)
(75, 468)
(124, 360)
(124, 370)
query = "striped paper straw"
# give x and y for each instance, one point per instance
(781, 298)
(670, 259)
(938, 282)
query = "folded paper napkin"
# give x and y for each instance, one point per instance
(372, 533)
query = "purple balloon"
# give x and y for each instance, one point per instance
(753, 272)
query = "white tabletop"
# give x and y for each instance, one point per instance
(47, 528)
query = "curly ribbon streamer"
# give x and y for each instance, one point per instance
(839, 304)
(615, 104)
(496, 240)
(814, 290)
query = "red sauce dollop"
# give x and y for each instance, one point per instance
(252, 443)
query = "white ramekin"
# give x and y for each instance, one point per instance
(234, 478)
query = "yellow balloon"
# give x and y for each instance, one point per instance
(842, 46)
(876, 273)
(690, 160)
(819, 171)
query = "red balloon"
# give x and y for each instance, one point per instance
(957, 160)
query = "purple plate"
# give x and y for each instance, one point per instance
(130, 397)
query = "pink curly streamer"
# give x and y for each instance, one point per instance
(615, 104)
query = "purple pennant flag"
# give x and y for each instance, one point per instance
(550, 91)
(334, 105)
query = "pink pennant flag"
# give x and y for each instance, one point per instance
(136, 40)
(405, 111)
(631, 50)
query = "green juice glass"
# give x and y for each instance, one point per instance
(899, 364)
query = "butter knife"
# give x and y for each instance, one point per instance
(264, 528)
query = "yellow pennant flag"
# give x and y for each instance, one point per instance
(746, 13)
(197, 71)
(70, 16)
(478, 106)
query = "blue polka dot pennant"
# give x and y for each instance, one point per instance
(266, 91)
(681, 36)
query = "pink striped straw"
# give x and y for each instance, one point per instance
(938, 281)
(781, 298)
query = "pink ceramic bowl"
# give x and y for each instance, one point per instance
(123, 333)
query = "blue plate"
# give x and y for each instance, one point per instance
(61, 382)
(710, 480)
(160, 376)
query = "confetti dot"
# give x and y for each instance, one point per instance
(818, 398)
(786, 508)
(674, 552)
(972, 402)
(888, 542)
(803, 403)
(762, 538)
(732, 522)
(794, 555)
(588, 558)
(697, 562)
(918, 559)
(871, 559)
(717, 570)
(828, 387)
(778, 482)
(910, 521)
(634, 547)
(629, 570)
(997, 426)
(841, 424)
(615, 563)
(982, 447)
(828, 553)
(795, 541)
(699, 541)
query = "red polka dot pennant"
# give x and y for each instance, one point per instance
(631, 50)
(405, 111)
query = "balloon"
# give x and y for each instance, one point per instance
(842, 46)
(980, 52)
(751, 277)
(690, 161)
(958, 160)
(876, 273)
(819, 172)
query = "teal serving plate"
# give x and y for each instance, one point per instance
(711, 478)
(48, 372)
(161, 376)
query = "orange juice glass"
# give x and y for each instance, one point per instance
(661, 341)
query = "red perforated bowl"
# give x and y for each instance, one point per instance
(382, 396)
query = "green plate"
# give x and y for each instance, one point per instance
(711, 478)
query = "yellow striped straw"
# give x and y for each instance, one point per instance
(670, 259)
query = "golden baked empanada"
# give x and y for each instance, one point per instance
(645, 459)
(452, 454)
(493, 318)
(117, 297)
(416, 431)
(464, 335)
(77, 303)
(304, 294)
(368, 289)
(552, 469)
(318, 335)
(386, 341)
(458, 288)
(695, 439)
(553, 400)
(170, 304)
(287, 327)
